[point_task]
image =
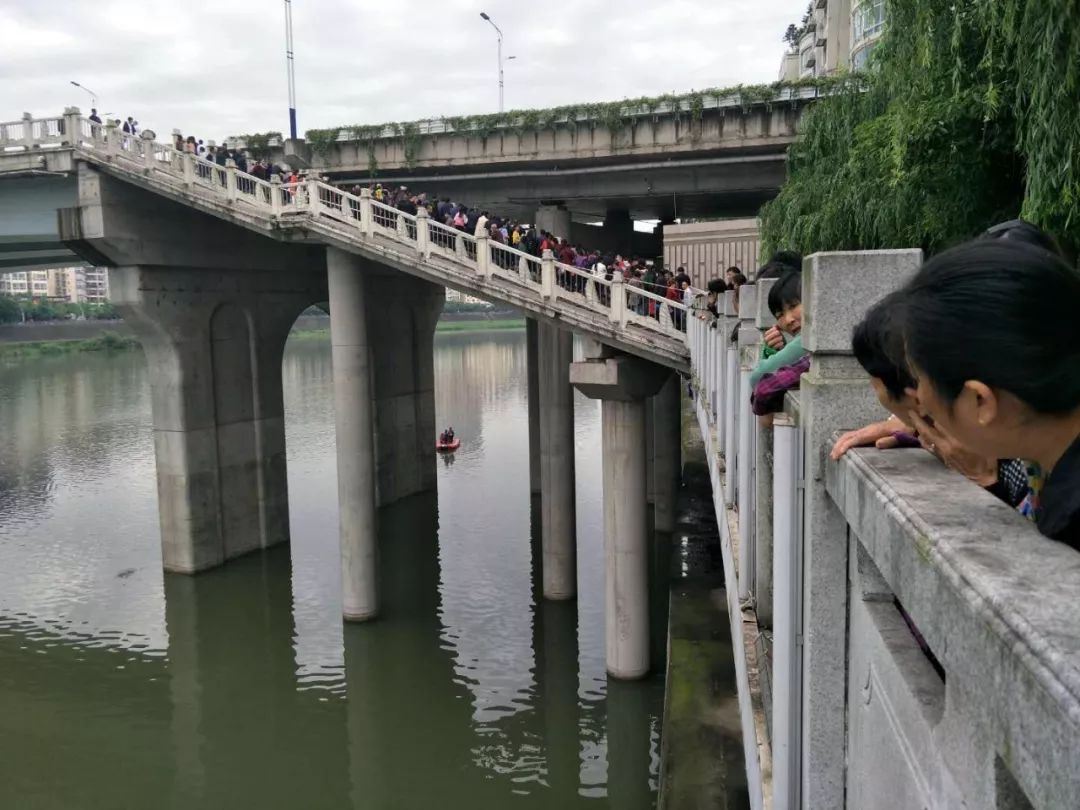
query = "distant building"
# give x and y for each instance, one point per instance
(460, 298)
(836, 35)
(706, 249)
(76, 285)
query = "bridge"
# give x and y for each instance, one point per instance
(655, 162)
(901, 639)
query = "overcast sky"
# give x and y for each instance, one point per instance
(217, 68)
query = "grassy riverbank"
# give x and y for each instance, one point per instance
(106, 342)
(111, 342)
(443, 326)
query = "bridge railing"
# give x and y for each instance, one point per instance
(362, 217)
(910, 634)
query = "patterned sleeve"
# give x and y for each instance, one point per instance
(1012, 484)
(768, 396)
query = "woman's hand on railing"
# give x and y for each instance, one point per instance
(874, 434)
(982, 471)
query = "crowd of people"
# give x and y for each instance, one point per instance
(976, 361)
(638, 273)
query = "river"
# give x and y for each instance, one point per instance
(122, 687)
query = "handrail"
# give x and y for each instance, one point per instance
(362, 217)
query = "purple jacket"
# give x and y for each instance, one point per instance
(768, 396)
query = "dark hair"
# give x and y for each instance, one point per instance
(787, 258)
(774, 270)
(740, 279)
(1017, 230)
(732, 269)
(996, 311)
(787, 292)
(717, 286)
(878, 344)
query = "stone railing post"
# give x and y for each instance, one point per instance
(749, 352)
(28, 130)
(112, 138)
(547, 274)
(423, 232)
(483, 256)
(617, 313)
(188, 168)
(731, 396)
(763, 500)
(311, 187)
(837, 289)
(275, 195)
(365, 211)
(149, 159)
(230, 179)
(72, 132)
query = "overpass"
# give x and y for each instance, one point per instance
(724, 157)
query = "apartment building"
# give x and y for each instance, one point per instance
(834, 35)
(77, 285)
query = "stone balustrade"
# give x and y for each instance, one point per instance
(903, 639)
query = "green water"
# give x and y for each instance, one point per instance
(121, 687)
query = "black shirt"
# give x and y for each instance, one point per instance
(1058, 512)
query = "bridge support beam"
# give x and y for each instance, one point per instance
(558, 521)
(213, 342)
(532, 355)
(618, 234)
(667, 452)
(623, 384)
(554, 219)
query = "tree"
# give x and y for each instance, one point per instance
(965, 117)
(793, 35)
(9, 310)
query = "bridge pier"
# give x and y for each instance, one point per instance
(214, 343)
(558, 521)
(532, 356)
(623, 384)
(554, 219)
(667, 452)
(618, 231)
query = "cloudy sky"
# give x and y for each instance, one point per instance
(217, 68)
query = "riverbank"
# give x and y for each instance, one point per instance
(105, 342)
(109, 340)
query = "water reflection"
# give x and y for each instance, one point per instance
(123, 687)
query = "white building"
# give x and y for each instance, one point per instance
(835, 35)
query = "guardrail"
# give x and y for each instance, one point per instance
(902, 638)
(358, 218)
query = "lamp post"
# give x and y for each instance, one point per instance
(290, 63)
(93, 95)
(500, 33)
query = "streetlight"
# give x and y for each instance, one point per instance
(500, 33)
(291, 65)
(93, 95)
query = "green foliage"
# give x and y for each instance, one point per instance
(615, 116)
(967, 116)
(258, 145)
(9, 310)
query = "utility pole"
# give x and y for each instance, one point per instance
(290, 63)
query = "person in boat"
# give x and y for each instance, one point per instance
(450, 435)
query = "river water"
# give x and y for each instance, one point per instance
(122, 687)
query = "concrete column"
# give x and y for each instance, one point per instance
(213, 342)
(532, 354)
(626, 530)
(618, 233)
(835, 395)
(650, 450)
(667, 427)
(623, 384)
(402, 312)
(554, 219)
(353, 406)
(558, 521)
